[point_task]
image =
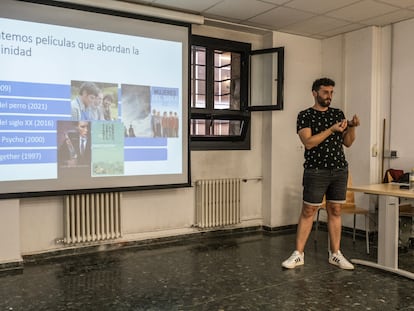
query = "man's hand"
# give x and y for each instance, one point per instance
(354, 122)
(340, 126)
(349, 136)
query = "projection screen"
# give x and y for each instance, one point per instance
(90, 101)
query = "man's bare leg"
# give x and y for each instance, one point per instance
(334, 225)
(305, 225)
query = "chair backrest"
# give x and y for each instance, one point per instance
(350, 195)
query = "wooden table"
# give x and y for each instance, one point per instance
(388, 216)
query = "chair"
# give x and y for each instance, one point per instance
(407, 210)
(348, 208)
(405, 225)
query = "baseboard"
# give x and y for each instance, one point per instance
(15, 266)
(143, 243)
(159, 242)
(281, 229)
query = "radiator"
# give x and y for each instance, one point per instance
(217, 202)
(92, 217)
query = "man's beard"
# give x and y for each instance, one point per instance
(323, 102)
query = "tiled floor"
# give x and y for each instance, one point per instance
(232, 272)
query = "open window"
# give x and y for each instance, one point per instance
(266, 79)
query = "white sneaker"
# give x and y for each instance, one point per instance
(339, 260)
(296, 259)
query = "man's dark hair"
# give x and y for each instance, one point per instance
(108, 97)
(89, 88)
(322, 81)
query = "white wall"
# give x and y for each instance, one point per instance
(41, 223)
(360, 98)
(348, 59)
(281, 145)
(157, 213)
(402, 110)
(276, 153)
(9, 232)
(360, 62)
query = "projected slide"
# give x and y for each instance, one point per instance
(78, 105)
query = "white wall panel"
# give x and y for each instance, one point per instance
(302, 67)
(402, 108)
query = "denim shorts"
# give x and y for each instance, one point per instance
(320, 182)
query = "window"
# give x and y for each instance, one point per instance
(228, 81)
(266, 79)
(219, 90)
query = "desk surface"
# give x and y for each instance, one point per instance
(384, 189)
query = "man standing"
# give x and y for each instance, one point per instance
(323, 131)
(75, 151)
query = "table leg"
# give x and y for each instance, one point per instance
(388, 214)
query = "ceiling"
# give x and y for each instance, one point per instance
(311, 18)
